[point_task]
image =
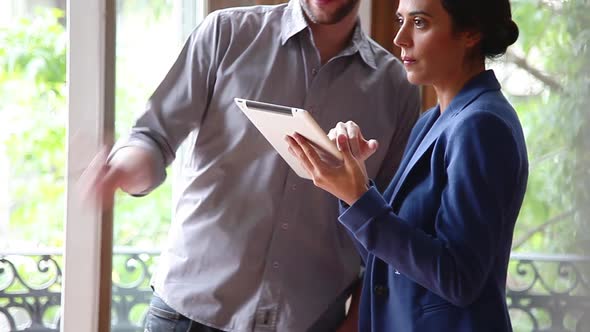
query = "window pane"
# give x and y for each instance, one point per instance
(545, 75)
(32, 160)
(150, 34)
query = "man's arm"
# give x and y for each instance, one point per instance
(137, 164)
(179, 103)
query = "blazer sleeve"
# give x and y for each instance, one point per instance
(359, 246)
(483, 163)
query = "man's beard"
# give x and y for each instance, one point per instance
(334, 18)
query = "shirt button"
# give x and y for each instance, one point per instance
(314, 71)
(380, 290)
(275, 265)
(285, 226)
(293, 187)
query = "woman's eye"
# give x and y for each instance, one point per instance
(400, 21)
(419, 23)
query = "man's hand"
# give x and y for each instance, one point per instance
(129, 170)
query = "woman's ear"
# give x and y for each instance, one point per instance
(471, 38)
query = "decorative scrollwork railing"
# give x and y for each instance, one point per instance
(30, 289)
(549, 292)
(544, 292)
(131, 293)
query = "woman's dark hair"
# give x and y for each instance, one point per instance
(492, 18)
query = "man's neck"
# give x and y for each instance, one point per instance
(331, 39)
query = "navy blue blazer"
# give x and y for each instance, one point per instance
(436, 243)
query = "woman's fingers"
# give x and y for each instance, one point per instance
(361, 148)
(296, 150)
(372, 146)
(354, 136)
(343, 180)
(340, 130)
(312, 161)
(358, 145)
(312, 156)
(346, 148)
(332, 135)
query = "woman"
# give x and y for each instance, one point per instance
(436, 243)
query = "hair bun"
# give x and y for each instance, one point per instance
(513, 32)
(499, 38)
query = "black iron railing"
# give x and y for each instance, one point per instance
(545, 292)
(549, 292)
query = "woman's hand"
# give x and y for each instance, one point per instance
(361, 148)
(348, 180)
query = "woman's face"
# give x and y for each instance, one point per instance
(431, 51)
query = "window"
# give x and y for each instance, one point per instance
(33, 117)
(150, 34)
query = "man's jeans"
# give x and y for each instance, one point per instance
(162, 318)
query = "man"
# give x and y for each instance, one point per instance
(253, 247)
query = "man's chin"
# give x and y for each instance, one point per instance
(327, 12)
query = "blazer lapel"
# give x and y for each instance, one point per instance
(483, 82)
(434, 132)
(413, 145)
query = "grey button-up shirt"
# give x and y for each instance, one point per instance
(252, 246)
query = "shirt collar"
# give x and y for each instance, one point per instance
(362, 44)
(293, 22)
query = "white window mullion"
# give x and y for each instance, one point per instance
(88, 244)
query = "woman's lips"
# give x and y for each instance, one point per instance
(408, 60)
(323, 2)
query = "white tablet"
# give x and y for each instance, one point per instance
(276, 121)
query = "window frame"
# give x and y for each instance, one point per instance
(88, 230)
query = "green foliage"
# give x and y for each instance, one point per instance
(32, 90)
(33, 94)
(554, 41)
(157, 9)
(34, 49)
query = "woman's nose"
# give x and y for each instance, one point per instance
(402, 38)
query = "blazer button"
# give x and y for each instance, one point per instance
(380, 290)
